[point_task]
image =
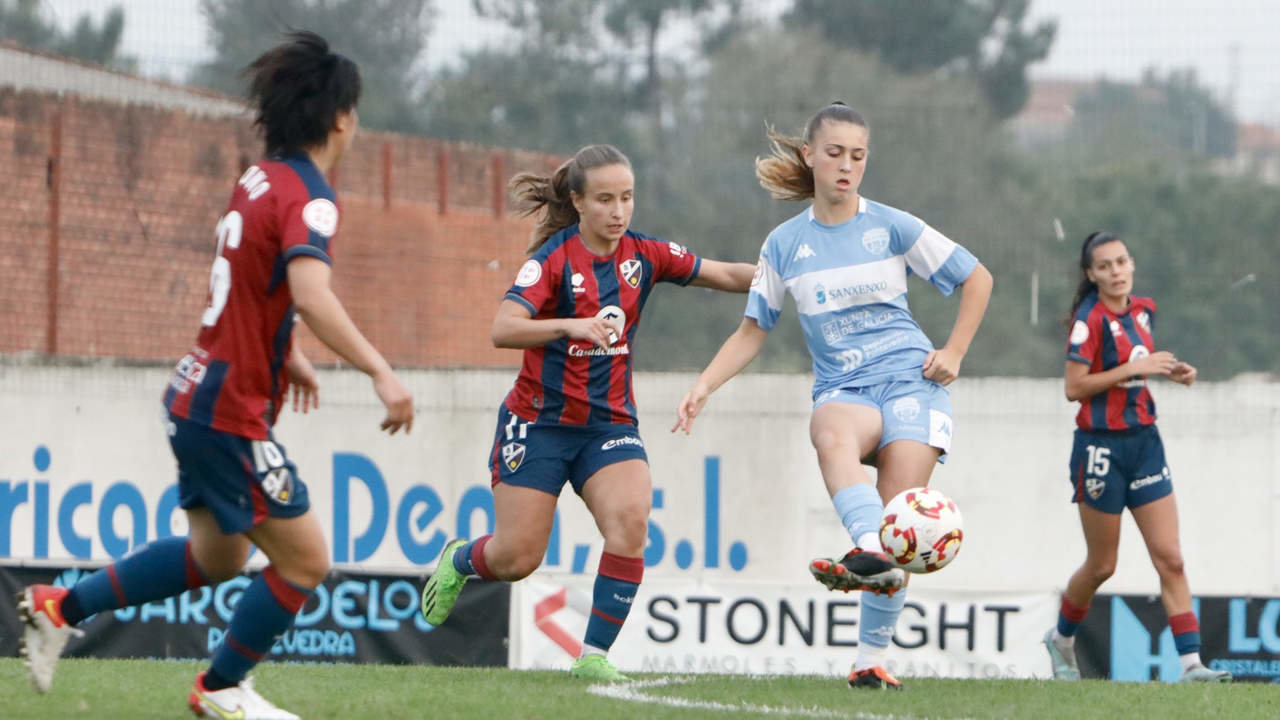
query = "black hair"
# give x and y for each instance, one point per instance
(298, 88)
(1091, 242)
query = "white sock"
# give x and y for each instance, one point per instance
(870, 541)
(592, 650)
(870, 656)
(1062, 641)
(1190, 660)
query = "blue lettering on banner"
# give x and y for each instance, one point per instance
(419, 515)
(1238, 639)
(1131, 656)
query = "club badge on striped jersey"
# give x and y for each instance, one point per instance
(631, 272)
(513, 455)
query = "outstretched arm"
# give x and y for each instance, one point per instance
(320, 309)
(943, 366)
(726, 276)
(736, 353)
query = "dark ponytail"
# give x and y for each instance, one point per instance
(1087, 286)
(298, 88)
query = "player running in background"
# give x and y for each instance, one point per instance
(575, 310)
(1117, 459)
(880, 394)
(237, 485)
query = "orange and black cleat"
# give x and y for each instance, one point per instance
(875, 678)
(859, 570)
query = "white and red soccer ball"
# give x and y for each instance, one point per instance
(921, 529)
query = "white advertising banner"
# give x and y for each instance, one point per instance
(768, 629)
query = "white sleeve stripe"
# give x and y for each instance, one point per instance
(929, 252)
(770, 287)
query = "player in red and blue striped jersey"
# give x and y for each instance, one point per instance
(236, 484)
(575, 310)
(1117, 459)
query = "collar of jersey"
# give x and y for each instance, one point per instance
(862, 210)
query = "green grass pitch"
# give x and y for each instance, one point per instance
(158, 689)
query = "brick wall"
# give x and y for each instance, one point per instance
(121, 202)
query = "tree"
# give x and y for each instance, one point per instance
(385, 37)
(983, 38)
(22, 22)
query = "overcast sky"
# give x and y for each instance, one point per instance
(1231, 43)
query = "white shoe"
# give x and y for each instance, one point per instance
(1062, 659)
(1200, 673)
(44, 632)
(238, 702)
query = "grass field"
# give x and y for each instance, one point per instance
(153, 689)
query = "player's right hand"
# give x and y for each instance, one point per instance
(1157, 363)
(690, 405)
(599, 332)
(398, 400)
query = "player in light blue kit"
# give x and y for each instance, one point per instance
(880, 394)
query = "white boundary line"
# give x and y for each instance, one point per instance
(631, 692)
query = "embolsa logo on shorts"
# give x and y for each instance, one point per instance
(624, 440)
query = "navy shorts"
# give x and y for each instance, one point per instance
(1112, 470)
(542, 457)
(241, 481)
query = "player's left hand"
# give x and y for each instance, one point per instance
(1184, 373)
(942, 366)
(303, 381)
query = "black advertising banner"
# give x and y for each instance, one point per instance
(352, 618)
(1127, 637)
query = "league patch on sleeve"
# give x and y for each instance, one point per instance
(321, 216)
(529, 273)
(1079, 333)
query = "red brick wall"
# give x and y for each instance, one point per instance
(137, 193)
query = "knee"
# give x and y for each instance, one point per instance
(826, 441)
(222, 567)
(516, 566)
(1167, 561)
(306, 571)
(627, 526)
(1100, 569)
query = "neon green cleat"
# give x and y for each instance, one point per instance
(596, 668)
(443, 587)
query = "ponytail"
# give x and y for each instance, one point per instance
(1087, 286)
(784, 173)
(534, 192)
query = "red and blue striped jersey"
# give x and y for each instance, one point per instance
(573, 382)
(233, 379)
(1103, 339)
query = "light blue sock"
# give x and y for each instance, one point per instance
(860, 509)
(875, 630)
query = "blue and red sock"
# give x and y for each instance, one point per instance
(617, 581)
(160, 569)
(267, 609)
(1070, 616)
(469, 559)
(1186, 632)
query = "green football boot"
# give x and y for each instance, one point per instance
(442, 588)
(596, 668)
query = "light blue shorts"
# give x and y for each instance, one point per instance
(917, 410)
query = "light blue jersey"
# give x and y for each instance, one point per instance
(849, 282)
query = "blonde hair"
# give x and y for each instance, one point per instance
(533, 192)
(784, 172)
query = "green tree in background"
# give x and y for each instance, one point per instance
(983, 38)
(22, 22)
(385, 37)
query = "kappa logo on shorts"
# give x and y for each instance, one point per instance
(906, 409)
(624, 440)
(631, 272)
(513, 455)
(1094, 486)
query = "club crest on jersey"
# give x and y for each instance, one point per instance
(1144, 320)
(875, 240)
(321, 215)
(907, 409)
(529, 273)
(631, 272)
(513, 455)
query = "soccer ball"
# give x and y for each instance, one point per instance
(921, 529)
